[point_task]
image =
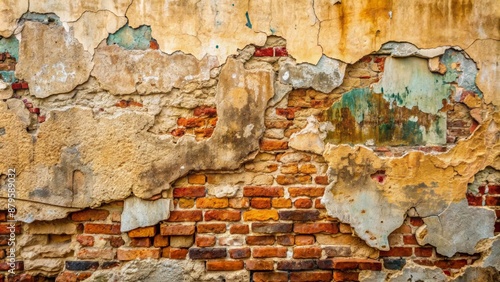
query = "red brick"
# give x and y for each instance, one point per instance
(455, 264)
(273, 145)
(303, 203)
(178, 132)
(321, 179)
(116, 241)
(474, 200)
(306, 252)
(416, 221)
(260, 203)
(260, 240)
(397, 252)
(207, 253)
(140, 242)
(205, 241)
(289, 113)
(142, 232)
(269, 252)
(280, 52)
(211, 228)
(312, 228)
(272, 227)
(306, 276)
(318, 204)
(301, 240)
(306, 191)
(286, 240)
(494, 189)
(176, 229)
(223, 215)
(131, 254)
(224, 265)
(93, 228)
(191, 122)
(354, 263)
(492, 201)
(176, 253)
(410, 240)
(65, 276)
(205, 111)
(240, 253)
(160, 241)
(189, 192)
(296, 265)
(263, 191)
(423, 252)
(90, 215)
(180, 216)
(85, 241)
(264, 52)
(270, 277)
(259, 265)
(299, 215)
(345, 276)
(91, 253)
(239, 229)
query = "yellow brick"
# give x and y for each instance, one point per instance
(212, 203)
(289, 168)
(185, 203)
(260, 215)
(308, 169)
(282, 203)
(197, 179)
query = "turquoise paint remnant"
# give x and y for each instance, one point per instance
(41, 18)
(407, 82)
(249, 23)
(272, 30)
(362, 115)
(217, 46)
(8, 76)
(461, 70)
(11, 46)
(131, 38)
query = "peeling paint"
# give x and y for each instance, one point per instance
(131, 38)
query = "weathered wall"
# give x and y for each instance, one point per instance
(249, 140)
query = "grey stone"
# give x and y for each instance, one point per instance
(457, 229)
(417, 273)
(325, 76)
(474, 273)
(140, 213)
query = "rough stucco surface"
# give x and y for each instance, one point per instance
(236, 96)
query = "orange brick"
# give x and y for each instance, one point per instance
(224, 265)
(165, 252)
(85, 241)
(260, 215)
(301, 240)
(92, 253)
(176, 253)
(90, 215)
(140, 242)
(263, 191)
(179, 216)
(185, 203)
(303, 203)
(322, 180)
(270, 277)
(197, 179)
(281, 203)
(211, 228)
(311, 228)
(286, 240)
(306, 191)
(94, 228)
(189, 192)
(176, 229)
(239, 203)
(285, 179)
(259, 265)
(142, 232)
(306, 252)
(308, 169)
(239, 229)
(222, 215)
(269, 252)
(260, 240)
(345, 276)
(131, 254)
(273, 145)
(205, 240)
(260, 203)
(318, 204)
(212, 203)
(160, 241)
(289, 168)
(318, 276)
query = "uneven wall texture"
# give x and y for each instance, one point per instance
(262, 140)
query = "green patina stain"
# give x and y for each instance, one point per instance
(249, 23)
(41, 18)
(8, 76)
(461, 70)
(10, 45)
(131, 38)
(407, 82)
(412, 133)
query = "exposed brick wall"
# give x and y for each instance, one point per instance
(274, 226)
